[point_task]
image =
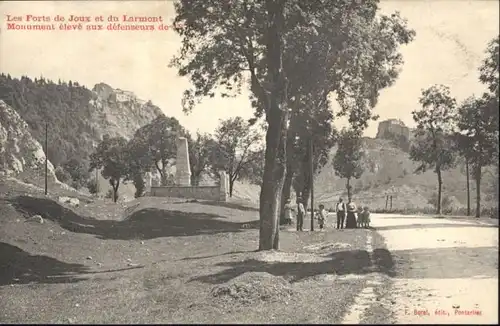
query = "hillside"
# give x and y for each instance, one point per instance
(76, 116)
(389, 171)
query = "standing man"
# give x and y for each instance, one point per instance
(301, 212)
(340, 209)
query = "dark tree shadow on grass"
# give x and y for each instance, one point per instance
(21, 267)
(340, 263)
(148, 223)
(231, 205)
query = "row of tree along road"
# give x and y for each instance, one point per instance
(292, 55)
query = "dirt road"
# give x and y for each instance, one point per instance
(446, 270)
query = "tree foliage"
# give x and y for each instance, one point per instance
(64, 107)
(78, 170)
(347, 162)
(254, 169)
(234, 139)
(201, 150)
(112, 157)
(433, 143)
(154, 146)
(489, 70)
(477, 138)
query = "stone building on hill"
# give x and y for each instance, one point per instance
(395, 130)
(391, 127)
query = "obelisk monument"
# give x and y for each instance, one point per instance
(182, 168)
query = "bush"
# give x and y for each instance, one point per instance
(446, 203)
(109, 195)
(93, 187)
(140, 185)
(62, 175)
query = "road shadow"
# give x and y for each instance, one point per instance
(340, 263)
(431, 226)
(447, 263)
(20, 267)
(148, 223)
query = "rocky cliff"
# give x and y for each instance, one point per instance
(118, 112)
(20, 153)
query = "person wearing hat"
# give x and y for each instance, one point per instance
(340, 209)
(301, 212)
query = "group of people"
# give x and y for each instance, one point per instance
(346, 215)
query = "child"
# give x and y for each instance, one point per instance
(321, 216)
(365, 217)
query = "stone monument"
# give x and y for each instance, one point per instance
(224, 185)
(182, 167)
(148, 182)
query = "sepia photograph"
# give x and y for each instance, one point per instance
(249, 162)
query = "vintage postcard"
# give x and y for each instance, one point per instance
(249, 161)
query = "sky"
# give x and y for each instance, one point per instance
(448, 49)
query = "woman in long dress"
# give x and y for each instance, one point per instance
(350, 222)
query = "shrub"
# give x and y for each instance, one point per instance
(92, 186)
(62, 175)
(109, 195)
(140, 185)
(446, 203)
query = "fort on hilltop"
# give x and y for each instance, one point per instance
(393, 127)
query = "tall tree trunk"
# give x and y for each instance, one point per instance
(440, 187)
(468, 185)
(287, 188)
(348, 186)
(115, 190)
(306, 192)
(277, 117)
(231, 186)
(477, 175)
(287, 185)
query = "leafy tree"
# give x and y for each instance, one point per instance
(317, 128)
(254, 169)
(226, 44)
(92, 186)
(62, 175)
(155, 145)
(479, 138)
(234, 140)
(78, 171)
(200, 152)
(111, 155)
(489, 72)
(433, 143)
(139, 162)
(347, 162)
